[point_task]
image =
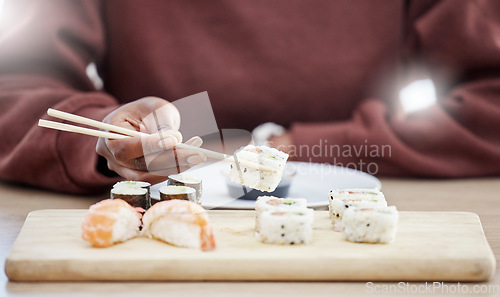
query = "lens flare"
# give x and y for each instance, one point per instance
(418, 95)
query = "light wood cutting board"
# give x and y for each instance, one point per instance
(430, 246)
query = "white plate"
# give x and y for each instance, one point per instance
(312, 181)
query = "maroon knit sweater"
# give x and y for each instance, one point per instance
(329, 70)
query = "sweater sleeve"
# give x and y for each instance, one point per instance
(46, 47)
(456, 137)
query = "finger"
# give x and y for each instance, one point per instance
(112, 163)
(127, 149)
(170, 134)
(156, 161)
(200, 157)
(173, 158)
(164, 160)
(174, 133)
(159, 160)
(139, 164)
(170, 158)
(162, 117)
(101, 148)
(195, 141)
(195, 160)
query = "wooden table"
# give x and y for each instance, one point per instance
(481, 196)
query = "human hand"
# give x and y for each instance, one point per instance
(150, 158)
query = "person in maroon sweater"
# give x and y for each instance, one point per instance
(328, 71)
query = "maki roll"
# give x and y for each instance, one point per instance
(371, 225)
(266, 203)
(345, 199)
(180, 223)
(187, 181)
(177, 193)
(135, 193)
(110, 221)
(286, 227)
(262, 180)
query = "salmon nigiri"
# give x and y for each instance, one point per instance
(111, 221)
(181, 223)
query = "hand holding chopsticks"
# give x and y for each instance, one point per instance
(122, 133)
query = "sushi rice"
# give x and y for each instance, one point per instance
(341, 200)
(265, 203)
(371, 225)
(286, 227)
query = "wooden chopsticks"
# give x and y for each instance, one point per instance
(125, 133)
(80, 130)
(92, 123)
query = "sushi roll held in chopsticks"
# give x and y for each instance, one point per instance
(187, 181)
(286, 227)
(181, 223)
(110, 221)
(262, 180)
(371, 225)
(177, 193)
(135, 193)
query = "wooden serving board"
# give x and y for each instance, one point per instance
(431, 246)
